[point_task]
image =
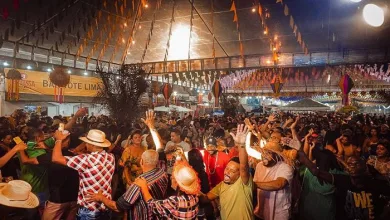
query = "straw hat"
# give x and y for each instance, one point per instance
(186, 178)
(96, 138)
(17, 193)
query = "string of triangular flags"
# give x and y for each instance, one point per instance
(294, 27)
(212, 29)
(170, 30)
(235, 19)
(191, 26)
(137, 17)
(158, 6)
(275, 43)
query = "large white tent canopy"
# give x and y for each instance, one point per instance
(172, 108)
(305, 105)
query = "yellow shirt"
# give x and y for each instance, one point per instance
(235, 199)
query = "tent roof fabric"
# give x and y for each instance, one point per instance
(306, 105)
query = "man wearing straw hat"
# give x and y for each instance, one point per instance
(16, 193)
(95, 171)
(235, 191)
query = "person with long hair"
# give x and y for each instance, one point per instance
(371, 143)
(182, 205)
(131, 157)
(381, 162)
(8, 169)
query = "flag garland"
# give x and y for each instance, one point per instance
(170, 30)
(137, 17)
(191, 26)
(275, 43)
(212, 29)
(294, 26)
(158, 5)
(235, 19)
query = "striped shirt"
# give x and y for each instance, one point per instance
(132, 200)
(175, 207)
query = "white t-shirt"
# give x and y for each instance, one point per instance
(273, 204)
(184, 145)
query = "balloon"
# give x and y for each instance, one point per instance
(167, 92)
(217, 91)
(277, 84)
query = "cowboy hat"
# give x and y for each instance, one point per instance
(17, 193)
(96, 138)
(186, 178)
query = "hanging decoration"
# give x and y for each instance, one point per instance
(345, 84)
(170, 30)
(191, 26)
(155, 91)
(209, 96)
(200, 98)
(130, 39)
(158, 5)
(212, 30)
(277, 85)
(13, 76)
(60, 79)
(217, 91)
(235, 19)
(294, 26)
(166, 90)
(274, 40)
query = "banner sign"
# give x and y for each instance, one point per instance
(38, 83)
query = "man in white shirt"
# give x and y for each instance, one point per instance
(176, 140)
(272, 178)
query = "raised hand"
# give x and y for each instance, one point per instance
(249, 124)
(59, 135)
(295, 122)
(21, 146)
(150, 116)
(240, 137)
(271, 118)
(288, 121)
(118, 138)
(80, 113)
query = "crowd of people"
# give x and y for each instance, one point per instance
(275, 166)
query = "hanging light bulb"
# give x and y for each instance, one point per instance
(253, 10)
(373, 15)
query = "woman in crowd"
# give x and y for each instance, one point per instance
(131, 157)
(381, 162)
(371, 142)
(10, 167)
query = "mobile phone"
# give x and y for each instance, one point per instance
(17, 140)
(61, 127)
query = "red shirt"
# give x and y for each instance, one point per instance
(233, 152)
(215, 166)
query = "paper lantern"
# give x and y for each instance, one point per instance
(276, 84)
(345, 84)
(217, 92)
(209, 96)
(166, 90)
(60, 79)
(13, 77)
